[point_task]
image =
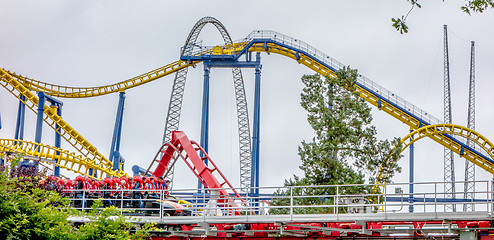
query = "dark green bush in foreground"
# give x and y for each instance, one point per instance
(27, 212)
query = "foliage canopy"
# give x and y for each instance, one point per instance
(345, 149)
(469, 7)
(28, 212)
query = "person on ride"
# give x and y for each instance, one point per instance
(69, 188)
(167, 186)
(97, 185)
(161, 186)
(138, 187)
(107, 192)
(80, 185)
(152, 187)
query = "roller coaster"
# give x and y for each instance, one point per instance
(88, 161)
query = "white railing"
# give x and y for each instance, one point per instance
(291, 201)
(333, 63)
(328, 61)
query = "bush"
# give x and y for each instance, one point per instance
(28, 212)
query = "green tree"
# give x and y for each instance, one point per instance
(28, 212)
(341, 120)
(109, 224)
(470, 6)
(345, 148)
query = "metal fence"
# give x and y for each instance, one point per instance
(334, 200)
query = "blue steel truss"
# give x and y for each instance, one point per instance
(231, 61)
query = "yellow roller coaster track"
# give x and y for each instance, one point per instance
(83, 92)
(438, 133)
(90, 153)
(45, 153)
(18, 85)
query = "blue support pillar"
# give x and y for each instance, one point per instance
(115, 157)
(42, 98)
(411, 175)
(56, 170)
(39, 120)
(39, 117)
(21, 113)
(205, 115)
(256, 131)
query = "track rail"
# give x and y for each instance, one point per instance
(88, 151)
(84, 92)
(441, 133)
(49, 154)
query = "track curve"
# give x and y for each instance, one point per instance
(84, 92)
(441, 130)
(62, 158)
(439, 133)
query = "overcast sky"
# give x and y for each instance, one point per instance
(92, 43)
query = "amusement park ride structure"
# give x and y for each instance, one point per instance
(90, 162)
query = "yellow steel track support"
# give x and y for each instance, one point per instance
(83, 92)
(437, 133)
(94, 158)
(65, 159)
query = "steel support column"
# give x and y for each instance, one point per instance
(21, 113)
(205, 115)
(42, 98)
(449, 164)
(39, 117)
(469, 186)
(115, 156)
(56, 169)
(411, 177)
(256, 130)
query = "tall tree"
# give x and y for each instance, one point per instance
(345, 149)
(345, 146)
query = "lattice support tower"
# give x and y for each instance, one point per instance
(469, 186)
(449, 165)
(176, 98)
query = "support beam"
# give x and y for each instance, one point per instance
(205, 115)
(42, 98)
(256, 130)
(227, 61)
(39, 117)
(449, 165)
(411, 176)
(115, 157)
(469, 186)
(21, 113)
(56, 169)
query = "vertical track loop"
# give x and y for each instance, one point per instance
(176, 99)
